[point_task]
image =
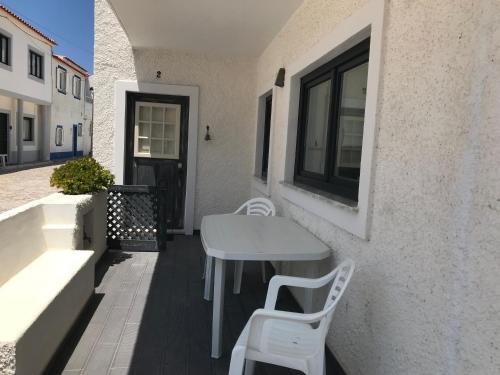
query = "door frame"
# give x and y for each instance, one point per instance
(121, 89)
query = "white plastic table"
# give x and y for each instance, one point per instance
(255, 238)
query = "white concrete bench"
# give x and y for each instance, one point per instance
(43, 288)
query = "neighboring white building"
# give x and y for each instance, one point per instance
(25, 89)
(56, 123)
(420, 210)
(71, 110)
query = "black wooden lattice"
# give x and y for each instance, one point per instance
(134, 220)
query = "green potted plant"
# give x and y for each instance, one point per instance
(88, 179)
(81, 176)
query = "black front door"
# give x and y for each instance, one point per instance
(156, 150)
(4, 133)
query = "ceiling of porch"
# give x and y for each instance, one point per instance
(225, 27)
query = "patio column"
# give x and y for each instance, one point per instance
(44, 132)
(19, 130)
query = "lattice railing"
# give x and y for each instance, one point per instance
(134, 218)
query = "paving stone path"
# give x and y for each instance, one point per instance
(18, 188)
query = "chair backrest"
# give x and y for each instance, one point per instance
(341, 277)
(257, 207)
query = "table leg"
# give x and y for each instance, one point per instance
(209, 278)
(312, 272)
(218, 308)
(238, 274)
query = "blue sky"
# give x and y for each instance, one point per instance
(69, 22)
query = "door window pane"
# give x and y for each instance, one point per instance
(158, 114)
(317, 127)
(144, 113)
(351, 120)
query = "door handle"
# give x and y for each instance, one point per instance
(179, 165)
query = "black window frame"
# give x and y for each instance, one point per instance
(39, 64)
(8, 46)
(326, 182)
(64, 90)
(31, 121)
(79, 96)
(268, 105)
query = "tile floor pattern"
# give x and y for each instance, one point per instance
(148, 317)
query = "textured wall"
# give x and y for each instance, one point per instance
(227, 105)
(424, 298)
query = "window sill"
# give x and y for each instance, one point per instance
(260, 185)
(6, 66)
(35, 78)
(345, 216)
(330, 199)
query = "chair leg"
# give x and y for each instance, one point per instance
(263, 269)
(237, 361)
(238, 274)
(249, 367)
(204, 269)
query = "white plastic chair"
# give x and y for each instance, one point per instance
(256, 207)
(290, 339)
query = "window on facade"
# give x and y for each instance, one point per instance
(61, 79)
(267, 132)
(77, 87)
(28, 129)
(4, 49)
(59, 135)
(157, 130)
(80, 130)
(331, 119)
(36, 65)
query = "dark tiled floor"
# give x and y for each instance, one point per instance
(148, 317)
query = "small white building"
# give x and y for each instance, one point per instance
(25, 89)
(71, 110)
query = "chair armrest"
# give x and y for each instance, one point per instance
(278, 281)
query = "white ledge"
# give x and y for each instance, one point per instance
(337, 213)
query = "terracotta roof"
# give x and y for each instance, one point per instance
(11, 13)
(72, 64)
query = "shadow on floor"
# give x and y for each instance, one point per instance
(149, 317)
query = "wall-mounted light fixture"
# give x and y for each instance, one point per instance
(280, 78)
(207, 135)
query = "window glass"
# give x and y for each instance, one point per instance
(36, 65)
(28, 131)
(351, 120)
(61, 79)
(317, 127)
(59, 135)
(77, 87)
(4, 49)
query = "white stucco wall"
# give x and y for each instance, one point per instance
(423, 299)
(67, 111)
(15, 80)
(226, 104)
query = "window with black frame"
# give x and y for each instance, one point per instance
(4, 49)
(36, 65)
(331, 120)
(267, 133)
